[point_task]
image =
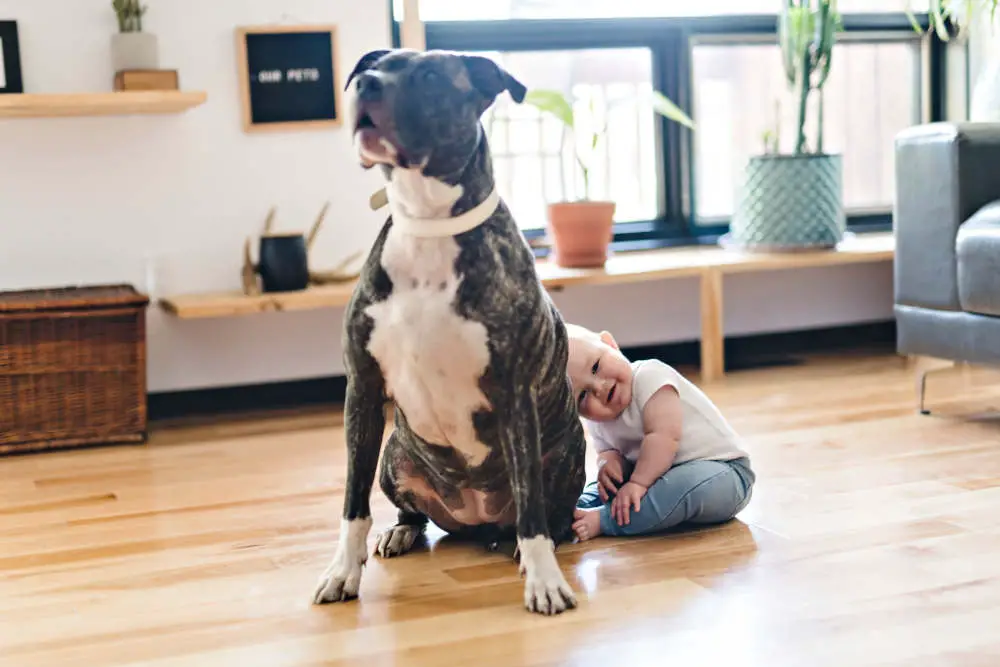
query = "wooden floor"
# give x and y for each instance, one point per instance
(873, 538)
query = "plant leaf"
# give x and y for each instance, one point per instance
(553, 102)
(912, 18)
(796, 27)
(663, 106)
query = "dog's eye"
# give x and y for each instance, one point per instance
(429, 76)
(596, 365)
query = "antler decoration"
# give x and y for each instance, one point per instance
(338, 274)
(316, 225)
(249, 273)
(269, 223)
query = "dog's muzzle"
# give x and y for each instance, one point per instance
(374, 131)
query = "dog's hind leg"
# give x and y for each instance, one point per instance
(410, 523)
(401, 537)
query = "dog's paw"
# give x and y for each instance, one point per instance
(397, 540)
(545, 588)
(548, 595)
(342, 578)
(340, 582)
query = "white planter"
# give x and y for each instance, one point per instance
(984, 103)
(134, 50)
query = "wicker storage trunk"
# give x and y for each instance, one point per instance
(72, 367)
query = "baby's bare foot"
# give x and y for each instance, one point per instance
(587, 524)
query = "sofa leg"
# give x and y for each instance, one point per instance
(925, 366)
(922, 391)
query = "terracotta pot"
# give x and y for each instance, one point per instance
(581, 232)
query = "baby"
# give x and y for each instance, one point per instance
(666, 455)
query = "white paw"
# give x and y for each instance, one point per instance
(397, 540)
(340, 581)
(545, 588)
(342, 577)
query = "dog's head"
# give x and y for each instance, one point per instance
(422, 109)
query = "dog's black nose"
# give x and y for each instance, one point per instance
(369, 87)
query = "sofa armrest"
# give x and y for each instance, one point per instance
(978, 251)
(945, 172)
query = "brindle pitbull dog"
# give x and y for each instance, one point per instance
(450, 322)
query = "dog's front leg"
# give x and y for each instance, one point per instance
(364, 424)
(545, 588)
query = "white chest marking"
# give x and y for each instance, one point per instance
(431, 357)
(421, 196)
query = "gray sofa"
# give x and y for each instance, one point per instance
(947, 229)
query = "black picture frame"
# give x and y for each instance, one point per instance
(289, 77)
(11, 81)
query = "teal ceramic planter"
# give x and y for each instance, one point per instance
(790, 202)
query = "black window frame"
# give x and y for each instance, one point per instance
(670, 41)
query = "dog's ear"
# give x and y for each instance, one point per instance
(490, 79)
(364, 63)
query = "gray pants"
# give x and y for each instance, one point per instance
(696, 492)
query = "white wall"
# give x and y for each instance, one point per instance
(165, 202)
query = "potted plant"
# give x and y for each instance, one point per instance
(581, 229)
(794, 201)
(966, 15)
(131, 47)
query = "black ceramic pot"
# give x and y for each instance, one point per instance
(284, 263)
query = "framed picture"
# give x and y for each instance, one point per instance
(10, 59)
(289, 77)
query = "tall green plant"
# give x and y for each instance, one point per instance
(962, 13)
(129, 14)
(584, 126)
(807, 32)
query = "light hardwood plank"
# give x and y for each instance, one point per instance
(871, 540)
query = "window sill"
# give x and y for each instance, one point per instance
(707, 236)
(696, 258)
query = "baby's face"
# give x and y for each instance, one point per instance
(601, 377)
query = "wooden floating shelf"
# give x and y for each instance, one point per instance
(229, 304)
(630, 267)
(122, 103)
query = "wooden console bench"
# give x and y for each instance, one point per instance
(708, 263)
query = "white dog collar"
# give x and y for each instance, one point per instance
(431, 227)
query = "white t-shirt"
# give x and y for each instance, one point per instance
(705, 433)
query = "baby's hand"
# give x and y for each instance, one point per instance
(628, 497)
(610, 475)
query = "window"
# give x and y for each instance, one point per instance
(739, 92)
(494, 10)
(719, 61)
(533, 154)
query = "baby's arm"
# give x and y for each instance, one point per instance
(661, 418)
(610, 473)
